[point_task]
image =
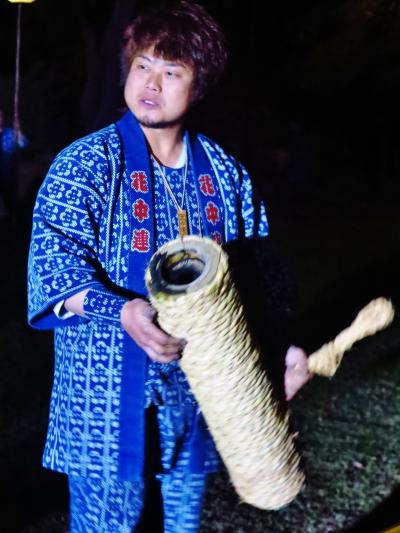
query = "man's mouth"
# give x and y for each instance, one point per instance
(149, 103)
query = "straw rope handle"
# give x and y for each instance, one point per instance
(375, 316)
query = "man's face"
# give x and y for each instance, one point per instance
(157, 90)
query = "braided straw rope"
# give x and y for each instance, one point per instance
(222, 366)
(375, 316)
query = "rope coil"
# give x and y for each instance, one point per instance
(191, 287)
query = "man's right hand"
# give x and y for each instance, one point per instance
(137, 319)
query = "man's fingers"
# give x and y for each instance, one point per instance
(292, 384)
(297, 373)
(161, 344)
(164, 350)
(160, 358)
(137, 318)
(295, 356)
(155, 334)
(149, 312)
(290, 396)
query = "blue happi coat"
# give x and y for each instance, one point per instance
(94, 227)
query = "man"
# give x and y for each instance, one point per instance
(108, 201)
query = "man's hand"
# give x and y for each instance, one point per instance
(297, 373)
(137, 319)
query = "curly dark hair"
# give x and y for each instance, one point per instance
(182, 31)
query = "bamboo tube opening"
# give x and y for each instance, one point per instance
(181, 268)
(186, 266)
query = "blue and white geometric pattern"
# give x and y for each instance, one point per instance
(167, 230)
(113, 506)
(99, 505)
(80, 239)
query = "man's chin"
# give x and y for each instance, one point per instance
(147, 122)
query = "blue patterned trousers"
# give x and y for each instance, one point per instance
(100, 505)
(116, 507)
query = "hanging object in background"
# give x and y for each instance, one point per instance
(16, 121)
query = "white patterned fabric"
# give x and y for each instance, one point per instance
(81, 239)
(100, 505)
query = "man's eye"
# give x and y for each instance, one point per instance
(170, 74)
(141, 66)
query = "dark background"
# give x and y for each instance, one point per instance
(309, 102)
(320, 74)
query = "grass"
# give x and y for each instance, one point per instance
(349, 441)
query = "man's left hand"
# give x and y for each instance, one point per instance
(297, 373)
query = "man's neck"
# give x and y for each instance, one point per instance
(165, 144)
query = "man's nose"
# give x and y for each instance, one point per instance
(153, 81)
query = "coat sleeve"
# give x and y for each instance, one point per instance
(252, 208)
(63, 256)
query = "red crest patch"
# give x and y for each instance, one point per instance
(140, 210)
(212, 213)
(139, 181)
(141, 241)
(206, 185)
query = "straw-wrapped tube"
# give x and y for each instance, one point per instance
(191, 287)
